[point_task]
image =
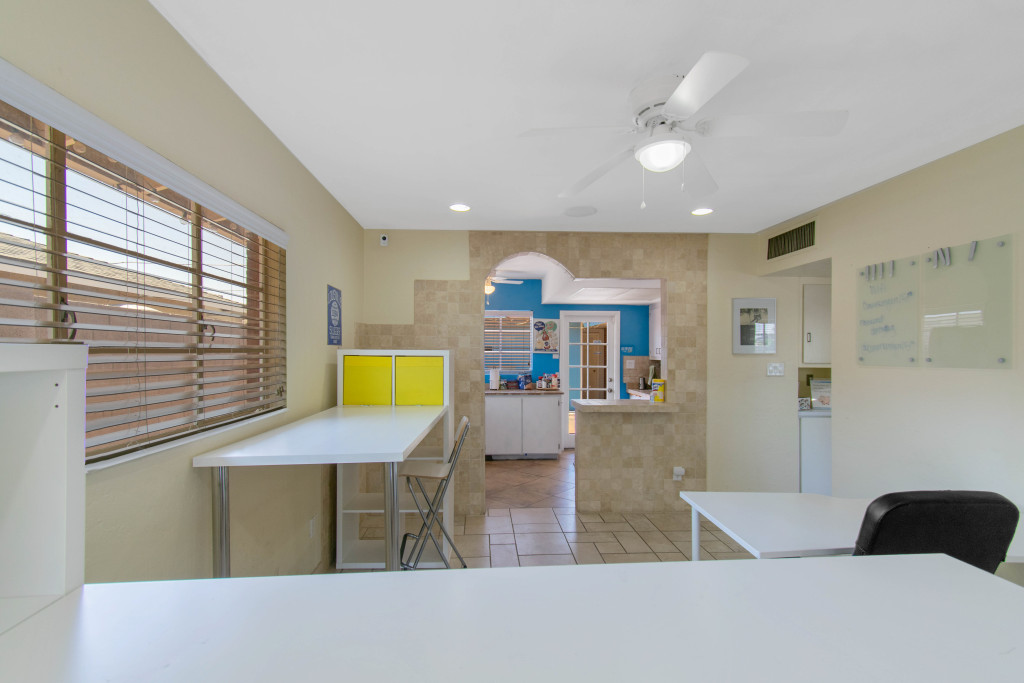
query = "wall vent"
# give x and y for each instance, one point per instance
(793, 240)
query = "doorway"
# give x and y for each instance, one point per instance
(588, 361)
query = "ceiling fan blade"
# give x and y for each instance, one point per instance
(798, 124)
(575, 130)
(697, 180)
(587, 180)
(712, 72)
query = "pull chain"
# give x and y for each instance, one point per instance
(643, 185)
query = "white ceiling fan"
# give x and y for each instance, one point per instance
(666, 129)
(497, 280)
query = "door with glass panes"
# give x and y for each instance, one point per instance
(588, 362)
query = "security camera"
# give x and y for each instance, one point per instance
(383, 239)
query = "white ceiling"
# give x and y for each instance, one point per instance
(401, 108)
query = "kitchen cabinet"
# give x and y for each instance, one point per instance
(521, 425)
(655, 332)
(817, 340)
(503, 417)
(816, 452)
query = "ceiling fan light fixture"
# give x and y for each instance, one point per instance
(662, 152)
(488, 287)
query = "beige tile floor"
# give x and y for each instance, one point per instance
(531, 520)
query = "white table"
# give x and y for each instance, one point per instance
(779, 524)
(339, 435)
(893, 618)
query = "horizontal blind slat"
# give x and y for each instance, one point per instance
(183, 310)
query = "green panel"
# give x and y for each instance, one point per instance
(967, 314)
(887, 313)
(949, 308)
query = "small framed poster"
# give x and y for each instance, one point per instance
(753, 325)
(333, 316)
(545, 336)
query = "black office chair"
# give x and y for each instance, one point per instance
(975, 527)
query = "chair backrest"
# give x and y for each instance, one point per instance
(460, 437)
(973, 526)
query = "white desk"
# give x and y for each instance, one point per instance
(893, 618)
(339, 435)
(780, 524)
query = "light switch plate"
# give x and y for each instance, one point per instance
(776, 369)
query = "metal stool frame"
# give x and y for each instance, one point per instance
(430, 516)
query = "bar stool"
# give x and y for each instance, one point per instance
(441, 474)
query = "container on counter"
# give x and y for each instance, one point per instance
(658, 390)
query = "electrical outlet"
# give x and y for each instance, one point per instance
(677, 473)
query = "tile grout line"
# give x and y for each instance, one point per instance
(519, 495)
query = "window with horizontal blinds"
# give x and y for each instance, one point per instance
(182, 309)
(507, 340)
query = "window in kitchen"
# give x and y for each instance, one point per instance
(183, 310)
(507, 341)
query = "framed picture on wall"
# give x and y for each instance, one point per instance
(753, 325)
(545, 336)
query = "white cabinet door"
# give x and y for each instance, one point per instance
(817, 323)
(542, 425)
(503, 417)
(655, 332)
(816, 455)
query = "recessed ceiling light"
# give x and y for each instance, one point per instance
(461, 208)
(702, 212)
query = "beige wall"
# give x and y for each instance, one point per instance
(763, 455)
(151, 519)
(892, 428)
(411, 255)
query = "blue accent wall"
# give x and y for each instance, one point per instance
(634, 336)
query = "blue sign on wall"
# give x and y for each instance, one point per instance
(333, 316)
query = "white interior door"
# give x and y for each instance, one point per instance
(588, 362)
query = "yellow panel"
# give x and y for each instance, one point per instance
(367, 381)
(419, 380)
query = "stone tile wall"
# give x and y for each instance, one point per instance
(624, 460)
(449, 314)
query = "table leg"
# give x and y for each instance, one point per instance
(694, 534)
(392, 518)
(221, 524)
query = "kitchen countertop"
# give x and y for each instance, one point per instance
(523, 392)
(623, 405)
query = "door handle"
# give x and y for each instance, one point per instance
(808, 337)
